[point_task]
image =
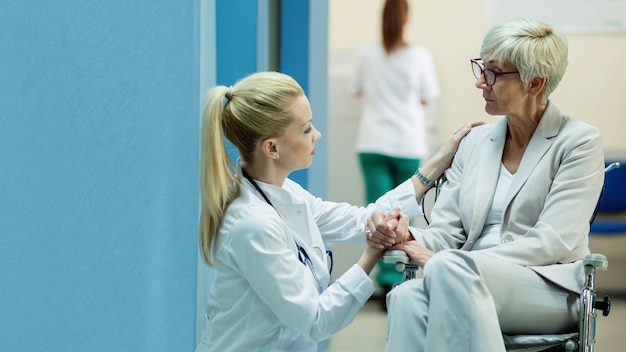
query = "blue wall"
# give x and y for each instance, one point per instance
(236, 40)
(98, 175)
(304, 55)
(241, 43)
(236, 44)
(99, 108)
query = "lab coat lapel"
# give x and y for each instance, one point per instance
(488, 176)
(304, 231)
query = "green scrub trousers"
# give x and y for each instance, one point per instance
(382, 173)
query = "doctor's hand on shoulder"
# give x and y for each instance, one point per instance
(435, 166)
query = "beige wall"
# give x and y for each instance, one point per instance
(593, 89)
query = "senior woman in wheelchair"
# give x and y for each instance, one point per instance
(504, 248)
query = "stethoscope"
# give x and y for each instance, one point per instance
(303, 256)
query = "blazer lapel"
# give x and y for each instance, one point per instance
(548, 127)
(488, 178)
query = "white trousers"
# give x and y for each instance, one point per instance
(466, 300)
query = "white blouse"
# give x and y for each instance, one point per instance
(491, 231)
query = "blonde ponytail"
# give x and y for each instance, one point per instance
(257, 107)
(218, 183)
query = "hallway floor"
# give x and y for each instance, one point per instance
(368, 332)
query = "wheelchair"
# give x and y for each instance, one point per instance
(582, 340)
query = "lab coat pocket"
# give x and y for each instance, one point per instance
(204, 339)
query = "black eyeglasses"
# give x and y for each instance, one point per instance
(489, 74)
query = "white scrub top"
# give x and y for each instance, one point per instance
(263, 298)
(393, 119)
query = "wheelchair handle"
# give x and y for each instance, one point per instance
(598, 261)
(612, 166)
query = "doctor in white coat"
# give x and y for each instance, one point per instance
(265, 235)
(504, 249)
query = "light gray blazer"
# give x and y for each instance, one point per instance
(545, 222)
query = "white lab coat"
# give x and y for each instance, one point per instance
(263, 298)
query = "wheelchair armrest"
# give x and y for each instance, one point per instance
(402, 263)
(395, 256)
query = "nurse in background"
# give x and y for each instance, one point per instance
(396, 81)
(265, 235)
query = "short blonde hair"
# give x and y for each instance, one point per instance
(534, 48)
(256, 107)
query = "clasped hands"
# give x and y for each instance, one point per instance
(391, 231)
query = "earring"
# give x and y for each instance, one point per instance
(277, 156)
